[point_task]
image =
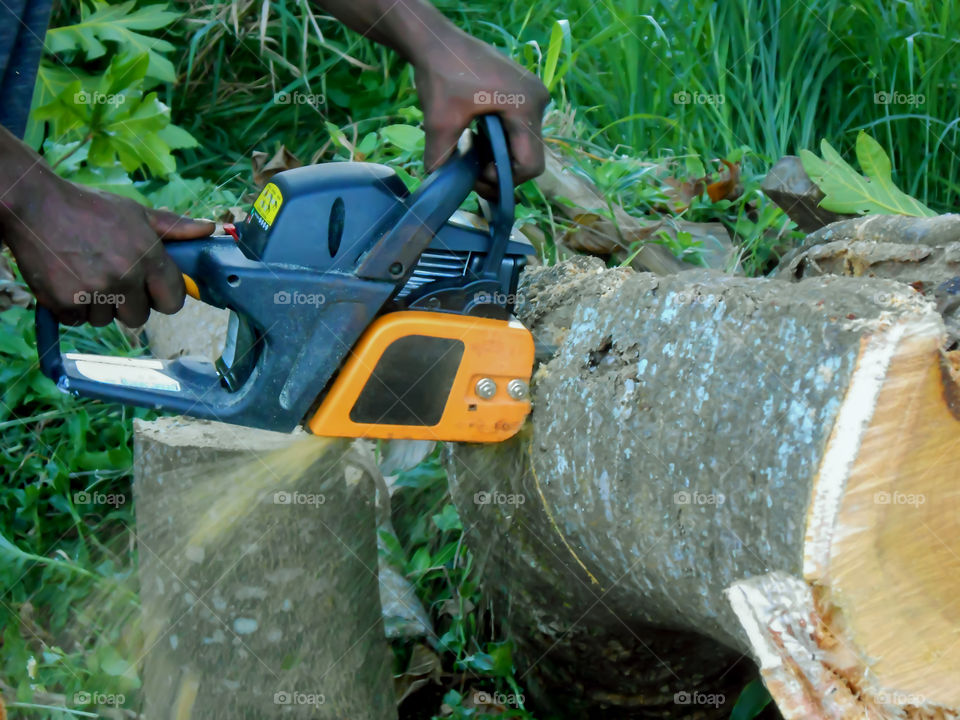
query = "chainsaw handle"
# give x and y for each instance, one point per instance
(278, 394)
(66, 373)
(424, 213)
(501, 223)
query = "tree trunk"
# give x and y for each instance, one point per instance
(258, 570)
(720, 469)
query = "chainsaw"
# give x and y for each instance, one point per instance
(357, 309)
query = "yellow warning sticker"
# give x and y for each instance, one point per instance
(268, 204)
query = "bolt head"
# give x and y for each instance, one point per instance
(518, 389)
(486, 388)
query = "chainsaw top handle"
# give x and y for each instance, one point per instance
(395, 255)
(300, 346)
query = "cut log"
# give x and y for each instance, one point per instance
(722, 467)
(922, 252)
(258, 569)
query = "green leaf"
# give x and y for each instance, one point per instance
(109, 179)
(196, 196)
(559, 40)
(847, 191)
(120, 24)
(176, 137)
(420, 561)
(124, 72)
(112, 664)
(447, 519)
(751, 702)
(502, 655)
(405, 137)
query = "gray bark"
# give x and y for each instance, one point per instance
(675, 437)
(257, 608)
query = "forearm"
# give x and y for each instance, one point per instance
(414, 28)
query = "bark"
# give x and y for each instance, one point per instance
(922, 252)
(258, 604)
(700, 437)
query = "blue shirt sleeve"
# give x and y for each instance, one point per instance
(23, 24)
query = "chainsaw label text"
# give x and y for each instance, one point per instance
(268, 203)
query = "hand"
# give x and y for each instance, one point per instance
(91, 256)
(461, 78)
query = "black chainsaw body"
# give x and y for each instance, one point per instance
(345, 243)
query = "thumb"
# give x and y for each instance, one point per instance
(170, 226)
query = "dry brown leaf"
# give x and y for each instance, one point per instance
(424, 667)
(683, 192)
(729, 187)
(233, 214)
(265, 167)
(594, 233)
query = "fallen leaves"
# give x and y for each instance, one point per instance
(265, 166)
(682, 192)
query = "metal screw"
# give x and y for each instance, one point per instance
(517, 389)
(486, 388)
(396, 269)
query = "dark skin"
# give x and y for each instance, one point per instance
(71, 241)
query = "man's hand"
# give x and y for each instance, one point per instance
(467, 78)
(458, 78)
(88, 256)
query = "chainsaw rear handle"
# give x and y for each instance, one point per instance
(300, 346)
(280, 391)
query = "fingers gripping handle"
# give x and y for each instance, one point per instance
(147, 382)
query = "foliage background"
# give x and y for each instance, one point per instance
(203, 86)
